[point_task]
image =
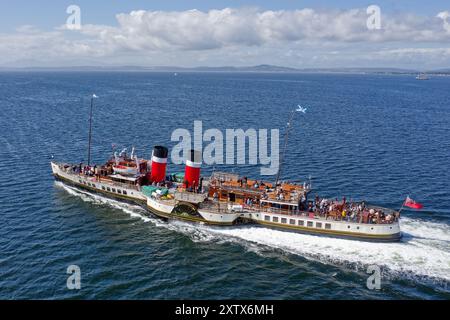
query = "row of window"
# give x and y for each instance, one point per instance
(309, 224)
(103, 187)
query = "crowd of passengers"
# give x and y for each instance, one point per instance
(345, 211)
(91, 171)
(338, 210)
(326, 208)
(348, 211)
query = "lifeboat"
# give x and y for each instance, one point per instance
(125, 169)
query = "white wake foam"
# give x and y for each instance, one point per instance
(423, 252)
(133, 210)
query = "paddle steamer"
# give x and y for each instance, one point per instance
(225, 199)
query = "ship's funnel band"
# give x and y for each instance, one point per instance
(193, 164)
(159, 160)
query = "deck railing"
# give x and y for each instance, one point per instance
(99, 179)
(190, 197)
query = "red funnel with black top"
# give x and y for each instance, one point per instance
(192, 170)
(159, 163)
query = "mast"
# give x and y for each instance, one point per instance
(90, 129)
(288, 128)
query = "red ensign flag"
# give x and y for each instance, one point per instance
(412, 204)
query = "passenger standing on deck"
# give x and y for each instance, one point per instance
(353, 215)
(96, 173)
(316, 202)
(303, 201)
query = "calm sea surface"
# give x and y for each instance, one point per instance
(369, 137)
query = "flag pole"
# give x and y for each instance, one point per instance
(288, 128)
(90, 130)
(403, 205)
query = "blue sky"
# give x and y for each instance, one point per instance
(411, 33)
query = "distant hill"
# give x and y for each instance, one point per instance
(255, 69)
(364, 70)
(439, 72)
(259, 68)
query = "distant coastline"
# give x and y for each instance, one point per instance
(250, 69)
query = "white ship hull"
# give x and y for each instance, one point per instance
(159, 206)
(115, 190)
(222, 218)
(346, 229)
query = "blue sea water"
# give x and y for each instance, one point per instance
(373, 137)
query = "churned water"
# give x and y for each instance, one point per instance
(369, 137)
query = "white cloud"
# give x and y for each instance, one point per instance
(195, 34)
(445, 15)
(197, 30)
